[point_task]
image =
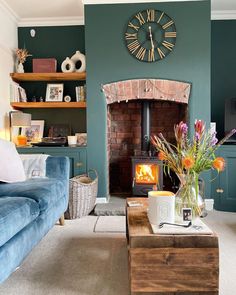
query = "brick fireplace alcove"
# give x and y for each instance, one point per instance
(168, 102)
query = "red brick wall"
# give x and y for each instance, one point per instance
(124, 136)
(164, 115)
(124, 129)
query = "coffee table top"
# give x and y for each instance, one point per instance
(139, 232)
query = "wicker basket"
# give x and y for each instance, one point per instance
(83, 194)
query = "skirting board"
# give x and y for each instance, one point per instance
(101, 200)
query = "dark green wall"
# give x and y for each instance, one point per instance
(108, 60)
(54, 42)
(57, 42)
(223, 67)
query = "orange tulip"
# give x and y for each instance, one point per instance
(162, 156)
(219, 164)
(188, 162)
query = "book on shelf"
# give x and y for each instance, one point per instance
(80, 92)
(17, 93)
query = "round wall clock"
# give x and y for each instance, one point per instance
(150, 35)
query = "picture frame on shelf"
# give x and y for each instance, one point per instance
(59, 130)
(54, 92)
(81, 139)
(34, 133)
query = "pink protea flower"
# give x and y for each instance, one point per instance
(181, 131)
(199, 127)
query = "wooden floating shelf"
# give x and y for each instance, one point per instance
(48, 105)
(21, 77)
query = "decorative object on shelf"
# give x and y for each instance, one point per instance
(72, 140)
(67, 98)
(51, 141)
(68, 66)
(150, 35)
(81, 139)
(44, 65)
(32, 33)
(54, 92)
(79, 57)
(19, 120)
(188, 158)
(80, 92)
(161, 207)
(59, 130)
(34, 133)
(20, 68)
(17, 93)
(21, 55)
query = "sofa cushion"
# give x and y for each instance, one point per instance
(15, 214)
(11, 161)
(45, 191)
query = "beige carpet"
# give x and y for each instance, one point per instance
(75, 260)
(116, 224)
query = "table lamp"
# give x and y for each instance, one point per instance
(20, 119)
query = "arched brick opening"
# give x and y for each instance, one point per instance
(168, 105)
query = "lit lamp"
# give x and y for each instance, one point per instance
(19, 119)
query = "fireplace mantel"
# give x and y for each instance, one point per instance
(157, 89)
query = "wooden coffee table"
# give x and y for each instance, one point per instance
(169, 264)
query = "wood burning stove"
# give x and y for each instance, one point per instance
(147, 172)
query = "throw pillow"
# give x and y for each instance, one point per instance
(11, 167)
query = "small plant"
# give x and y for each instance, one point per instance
(22, 54)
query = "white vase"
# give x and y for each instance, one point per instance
(20, 68)
(78, 56)
(68, 66)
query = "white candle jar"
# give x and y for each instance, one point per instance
(161, 207)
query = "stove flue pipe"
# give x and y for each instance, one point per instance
(145, 126)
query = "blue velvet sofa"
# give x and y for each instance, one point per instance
(28, 210)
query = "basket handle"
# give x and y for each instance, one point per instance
(94, 171)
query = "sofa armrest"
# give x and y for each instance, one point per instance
(58, 167)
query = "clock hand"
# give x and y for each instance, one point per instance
(150, 34)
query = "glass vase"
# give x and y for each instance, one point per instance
(188, 197)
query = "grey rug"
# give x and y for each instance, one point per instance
(110, 224)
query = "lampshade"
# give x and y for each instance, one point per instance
(19, 119)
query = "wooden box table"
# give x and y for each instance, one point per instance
(169, 264)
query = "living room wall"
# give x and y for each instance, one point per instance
(108, 60)
(8, 42)
(223, 65)
(53, 42)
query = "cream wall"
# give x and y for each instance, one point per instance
(8, 42)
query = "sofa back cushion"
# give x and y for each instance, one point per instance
(11, 167)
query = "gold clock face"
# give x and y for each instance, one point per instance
(150, 35)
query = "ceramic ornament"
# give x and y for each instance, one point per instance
(68, 66)
(67, 98)
(78, 56)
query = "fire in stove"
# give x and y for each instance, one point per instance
(146, 174)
